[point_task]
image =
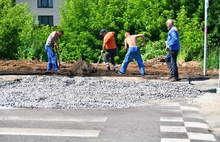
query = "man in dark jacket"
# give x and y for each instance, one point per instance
(173, 47)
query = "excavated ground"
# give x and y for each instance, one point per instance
(83, 85)
(155, 69)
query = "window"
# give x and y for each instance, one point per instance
(46, 20)
(45, 3)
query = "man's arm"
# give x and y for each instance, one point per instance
(126, 45)
(56, 42)
(143, 39)
(174, 38)
(103, 47)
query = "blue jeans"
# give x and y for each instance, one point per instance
(133, 52)
(171, 60)
(52, 59)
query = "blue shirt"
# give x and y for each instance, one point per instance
(173, 38)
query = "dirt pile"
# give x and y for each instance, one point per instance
(155, 68)
(82, 68)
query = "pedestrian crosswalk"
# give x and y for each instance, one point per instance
(56, 118)
(179, 122)
(49, 132)
(6, 129)
(185, 124)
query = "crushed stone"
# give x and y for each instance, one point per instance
(58, 92)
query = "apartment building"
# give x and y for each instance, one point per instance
(47, 11)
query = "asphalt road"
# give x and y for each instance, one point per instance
(162, 122)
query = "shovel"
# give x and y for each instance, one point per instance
(95, 69)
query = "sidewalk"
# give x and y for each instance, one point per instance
(209, 103)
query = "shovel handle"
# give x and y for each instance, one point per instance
(99, 59)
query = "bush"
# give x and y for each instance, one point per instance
(213, 58)
(153, 50)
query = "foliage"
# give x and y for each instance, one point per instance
(213, 57)
(191, 37)
(82, 20)
(13, 20)
(153, 50)
(33, 41)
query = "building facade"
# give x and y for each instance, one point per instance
(47, 11)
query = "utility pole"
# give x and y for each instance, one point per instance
(218, 88)
(205, 36)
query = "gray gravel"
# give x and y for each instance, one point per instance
(87, 92)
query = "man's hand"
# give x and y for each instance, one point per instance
(168, 50)
(166, 44)
(102, 51)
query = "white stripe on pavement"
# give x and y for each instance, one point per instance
(171, 110)
(57, 118)
(171, 119)
(171, 104)
(199, 136)
(49, 132)
(176, 129)
(191, 115)
(196, 125)
(188, 108)
(174, 140)
(1, 107)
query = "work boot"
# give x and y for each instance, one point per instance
(108, 68)
(171, 76)
(48, 71)
(174, 79)
(120, 73)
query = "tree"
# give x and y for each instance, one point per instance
(14, 20)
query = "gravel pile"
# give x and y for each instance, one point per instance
(87, 92)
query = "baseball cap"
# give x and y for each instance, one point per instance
(102, 31)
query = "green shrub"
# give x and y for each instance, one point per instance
(213, 58)
(153, 50)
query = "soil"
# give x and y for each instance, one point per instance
(155, 69)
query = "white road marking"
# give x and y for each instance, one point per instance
(199, 136)
(190, 115)
(49, 132)
(188, 108)
(171, 110)
(174, 140)
(176, 129)
(57, 118)
(171, 104)
(171, 119)
(196, 125)
(1, 107)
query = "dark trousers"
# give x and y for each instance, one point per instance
(171, 60)
(110, 54)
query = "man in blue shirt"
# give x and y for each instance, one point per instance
(173, 47)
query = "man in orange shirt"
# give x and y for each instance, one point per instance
(110, 46)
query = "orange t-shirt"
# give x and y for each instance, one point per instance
(109, 40)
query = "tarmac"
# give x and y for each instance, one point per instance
(208, 104)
